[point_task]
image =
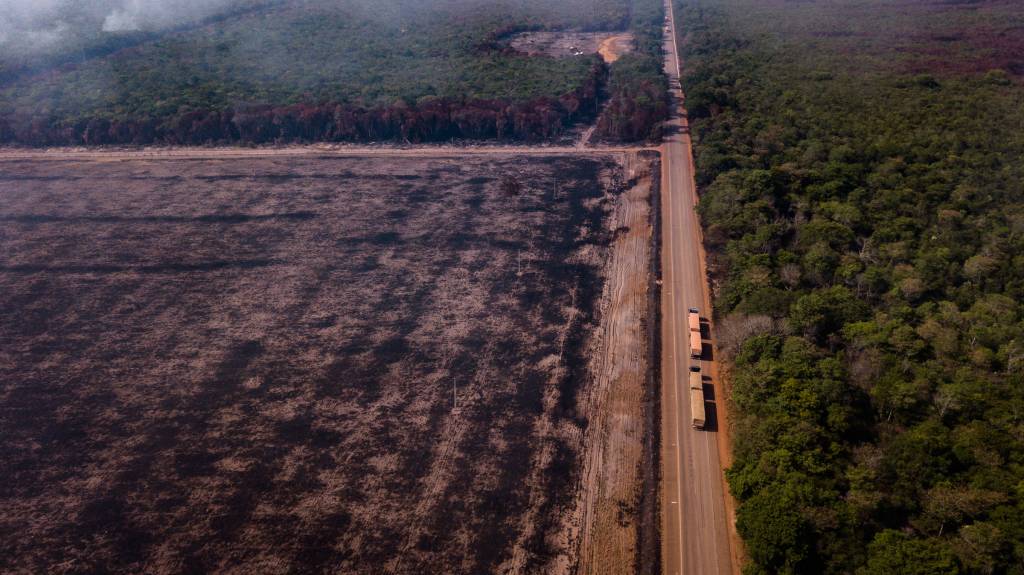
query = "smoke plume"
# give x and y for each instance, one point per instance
(28, 26)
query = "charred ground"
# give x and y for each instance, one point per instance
(249, 365)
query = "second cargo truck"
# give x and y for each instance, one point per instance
(696, 397)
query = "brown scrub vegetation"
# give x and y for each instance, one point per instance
(249, 365)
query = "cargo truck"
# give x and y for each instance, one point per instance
(696, 349)
(696, 397)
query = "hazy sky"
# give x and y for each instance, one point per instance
(43, 24)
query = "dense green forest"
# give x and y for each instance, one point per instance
(326, 70)
(862, 193)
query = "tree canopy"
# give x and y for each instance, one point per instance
(861, 183)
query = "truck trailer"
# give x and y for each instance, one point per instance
(696, 397)
(696, 347)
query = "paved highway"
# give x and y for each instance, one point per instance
(695, 523)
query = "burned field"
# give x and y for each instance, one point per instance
(250, 365)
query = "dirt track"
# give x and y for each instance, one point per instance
(619, 402)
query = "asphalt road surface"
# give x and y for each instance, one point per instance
(695, 522)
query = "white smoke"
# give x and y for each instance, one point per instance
(41, 25)
(32, 24)
(120, 21)
(47, 37)
(130, 15)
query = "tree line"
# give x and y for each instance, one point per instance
(429, 120)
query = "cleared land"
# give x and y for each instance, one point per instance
(609, 45)
(614, 47)
(248, 364)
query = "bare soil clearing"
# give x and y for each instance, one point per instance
(614, 47)
(610, 45)
(247, 364)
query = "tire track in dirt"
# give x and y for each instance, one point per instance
(429, 497)
(611, 481)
